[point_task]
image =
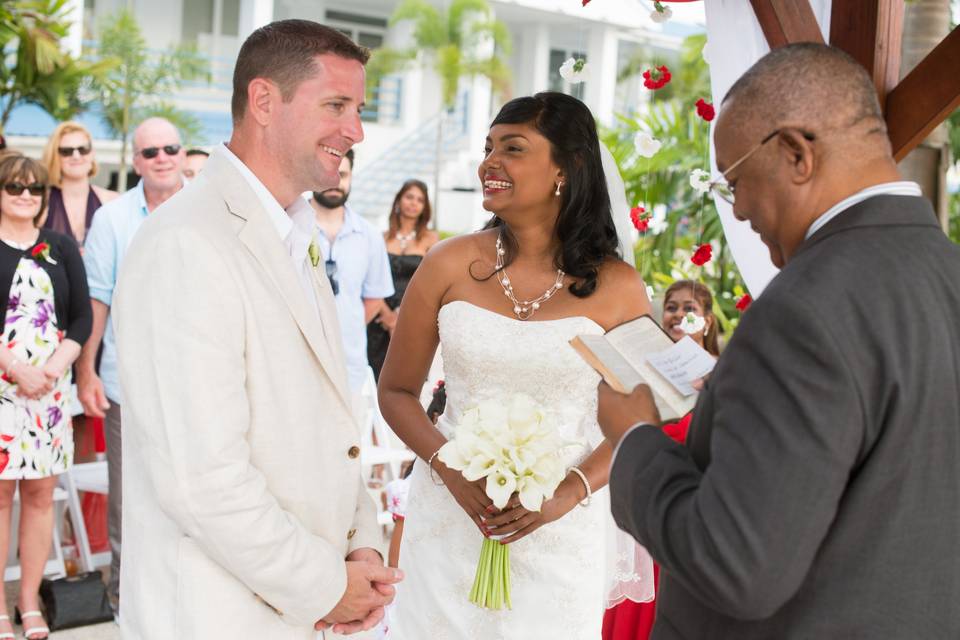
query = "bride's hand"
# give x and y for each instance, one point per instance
(515, 522)
(469, 495)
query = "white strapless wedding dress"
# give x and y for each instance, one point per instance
(559, 570)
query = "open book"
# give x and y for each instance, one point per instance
(640, 352)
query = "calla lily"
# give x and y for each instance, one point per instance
(500, 486)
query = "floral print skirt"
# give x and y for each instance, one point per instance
(36, 436)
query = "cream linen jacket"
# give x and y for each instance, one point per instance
(241, 468)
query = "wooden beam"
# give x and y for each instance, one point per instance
(925, 97)
(787, 21)
(871, 32)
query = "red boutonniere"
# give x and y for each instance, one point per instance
(656, 78)
(585, 2)
(702, 255)
(705, 110)
(744, 302)
(42, 251)
(640, 219)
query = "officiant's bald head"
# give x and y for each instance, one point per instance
(798, 132)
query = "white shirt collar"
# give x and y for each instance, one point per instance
(899, 188)
(281, 221)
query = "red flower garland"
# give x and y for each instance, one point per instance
(656, 78)
(702, 255)
(705, 110)
(744, 302)
(640, 219)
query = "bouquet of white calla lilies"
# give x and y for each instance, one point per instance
(517, 448)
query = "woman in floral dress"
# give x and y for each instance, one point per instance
(45, 321)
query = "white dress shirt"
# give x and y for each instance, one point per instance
(296, 225)
(899, 188)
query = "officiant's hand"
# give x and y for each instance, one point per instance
(471, 496)
(369, 590)
(617, 412)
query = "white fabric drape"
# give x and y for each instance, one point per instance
(735, 42)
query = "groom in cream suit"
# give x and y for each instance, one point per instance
(245, 515)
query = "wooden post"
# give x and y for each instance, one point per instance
(925, 97)
(787, 21)
(871, 32)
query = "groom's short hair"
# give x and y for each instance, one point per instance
(284, 52)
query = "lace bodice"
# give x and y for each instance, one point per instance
(488, 355)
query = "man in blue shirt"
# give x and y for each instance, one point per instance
(357, 265)
(158, 159)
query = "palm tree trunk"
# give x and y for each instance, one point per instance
(926, 23)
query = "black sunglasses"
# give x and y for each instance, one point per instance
(17, 189)
(66, 152)
(152, 152)
(331, 268)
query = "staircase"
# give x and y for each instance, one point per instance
(414, 156)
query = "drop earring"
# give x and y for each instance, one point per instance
(557, 192)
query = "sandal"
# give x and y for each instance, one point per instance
(6, 635)
(28, 632)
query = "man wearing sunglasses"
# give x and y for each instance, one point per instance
(158, 160)
(247, 516)
(818, 495)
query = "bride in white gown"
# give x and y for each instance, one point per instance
(502, 334)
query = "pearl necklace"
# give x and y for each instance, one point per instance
(404, 239)
(526, 308)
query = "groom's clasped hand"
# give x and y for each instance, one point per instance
(369, 589)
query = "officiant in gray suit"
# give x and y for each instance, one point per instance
(818, 494)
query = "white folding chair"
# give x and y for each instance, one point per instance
(91, 477)
(379, 445)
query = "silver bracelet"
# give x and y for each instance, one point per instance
(430, 468)
(586, 483)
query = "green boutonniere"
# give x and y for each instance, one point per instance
(314, 252)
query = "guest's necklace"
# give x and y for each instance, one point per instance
(405, 239)
(526, 308)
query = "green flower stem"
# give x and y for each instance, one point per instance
(491, 584)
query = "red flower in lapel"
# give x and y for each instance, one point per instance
(702, 255)
(41, 251)
(744, 302)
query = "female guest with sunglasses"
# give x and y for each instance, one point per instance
(47, 318)
(70, 163)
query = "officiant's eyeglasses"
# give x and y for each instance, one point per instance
(331, 268)
(720, 186)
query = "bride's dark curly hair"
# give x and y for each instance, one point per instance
(585, 225)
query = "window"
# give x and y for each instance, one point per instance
(557, 83)
(370, 32)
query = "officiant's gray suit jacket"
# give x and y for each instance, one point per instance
(818, 495)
